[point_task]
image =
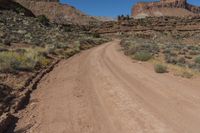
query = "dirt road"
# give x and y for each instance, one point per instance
(103, 91)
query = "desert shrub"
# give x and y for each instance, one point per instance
(173, 54)
(86, 42)
(193, 52)
(96, 35)
(23, 63)
(192, 47)
(181, 52)
(131, 50)
(187, 74)
(149, 47)
(197, 59)
(181, 60)
(159, 68)
(67, 28)
(14, 61)
(142, 56)
(167, 51)
(19, 9)
(185, 50)
(43, 20)
(171, 60)
(188, 57)
(131, 46)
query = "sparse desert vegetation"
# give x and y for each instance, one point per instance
(99, 88)
(182, 55)
(30, 47)
(22, 60)
(197, 59)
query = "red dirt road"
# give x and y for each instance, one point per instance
(103, 91)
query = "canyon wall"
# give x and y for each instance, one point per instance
(165, 8)
(57, 12)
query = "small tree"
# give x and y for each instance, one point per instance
(119, 18)
(127, 17)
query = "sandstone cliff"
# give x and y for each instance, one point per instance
(164, 8)
(57, 12)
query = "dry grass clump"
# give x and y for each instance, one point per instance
(177, 70)
(22, 60)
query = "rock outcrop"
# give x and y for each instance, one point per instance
(14, 6)
(164, 8)
(190, 24)
(57, 12)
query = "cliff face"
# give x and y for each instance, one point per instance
(14, 6)
(57, 12)
(164, 8)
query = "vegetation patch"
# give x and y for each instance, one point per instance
(197, 60)
(22, 60)
(131, 46)
(183, 57)
(187, 74)
(142, 56)
(160, 68)
(43, 20)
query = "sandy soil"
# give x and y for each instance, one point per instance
(103, 91)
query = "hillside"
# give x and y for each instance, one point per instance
(164, 8)
(140, 75)
(30, 46)
(57, 12)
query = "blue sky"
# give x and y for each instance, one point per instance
(110, 8)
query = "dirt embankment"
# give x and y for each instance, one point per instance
(103, 91)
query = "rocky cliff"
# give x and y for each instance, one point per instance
(11, 5)
(57, 12)
(164, 8)
(187, 26)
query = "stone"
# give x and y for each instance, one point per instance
(5, 121)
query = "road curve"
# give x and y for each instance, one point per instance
(103, 91)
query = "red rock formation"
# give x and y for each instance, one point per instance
(57, 12)
(165, 8)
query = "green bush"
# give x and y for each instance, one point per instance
(7, 60)
(96, 35)
(159, 68)
(19, 9)
(142, 56)
(43, 20)
(197, 60)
